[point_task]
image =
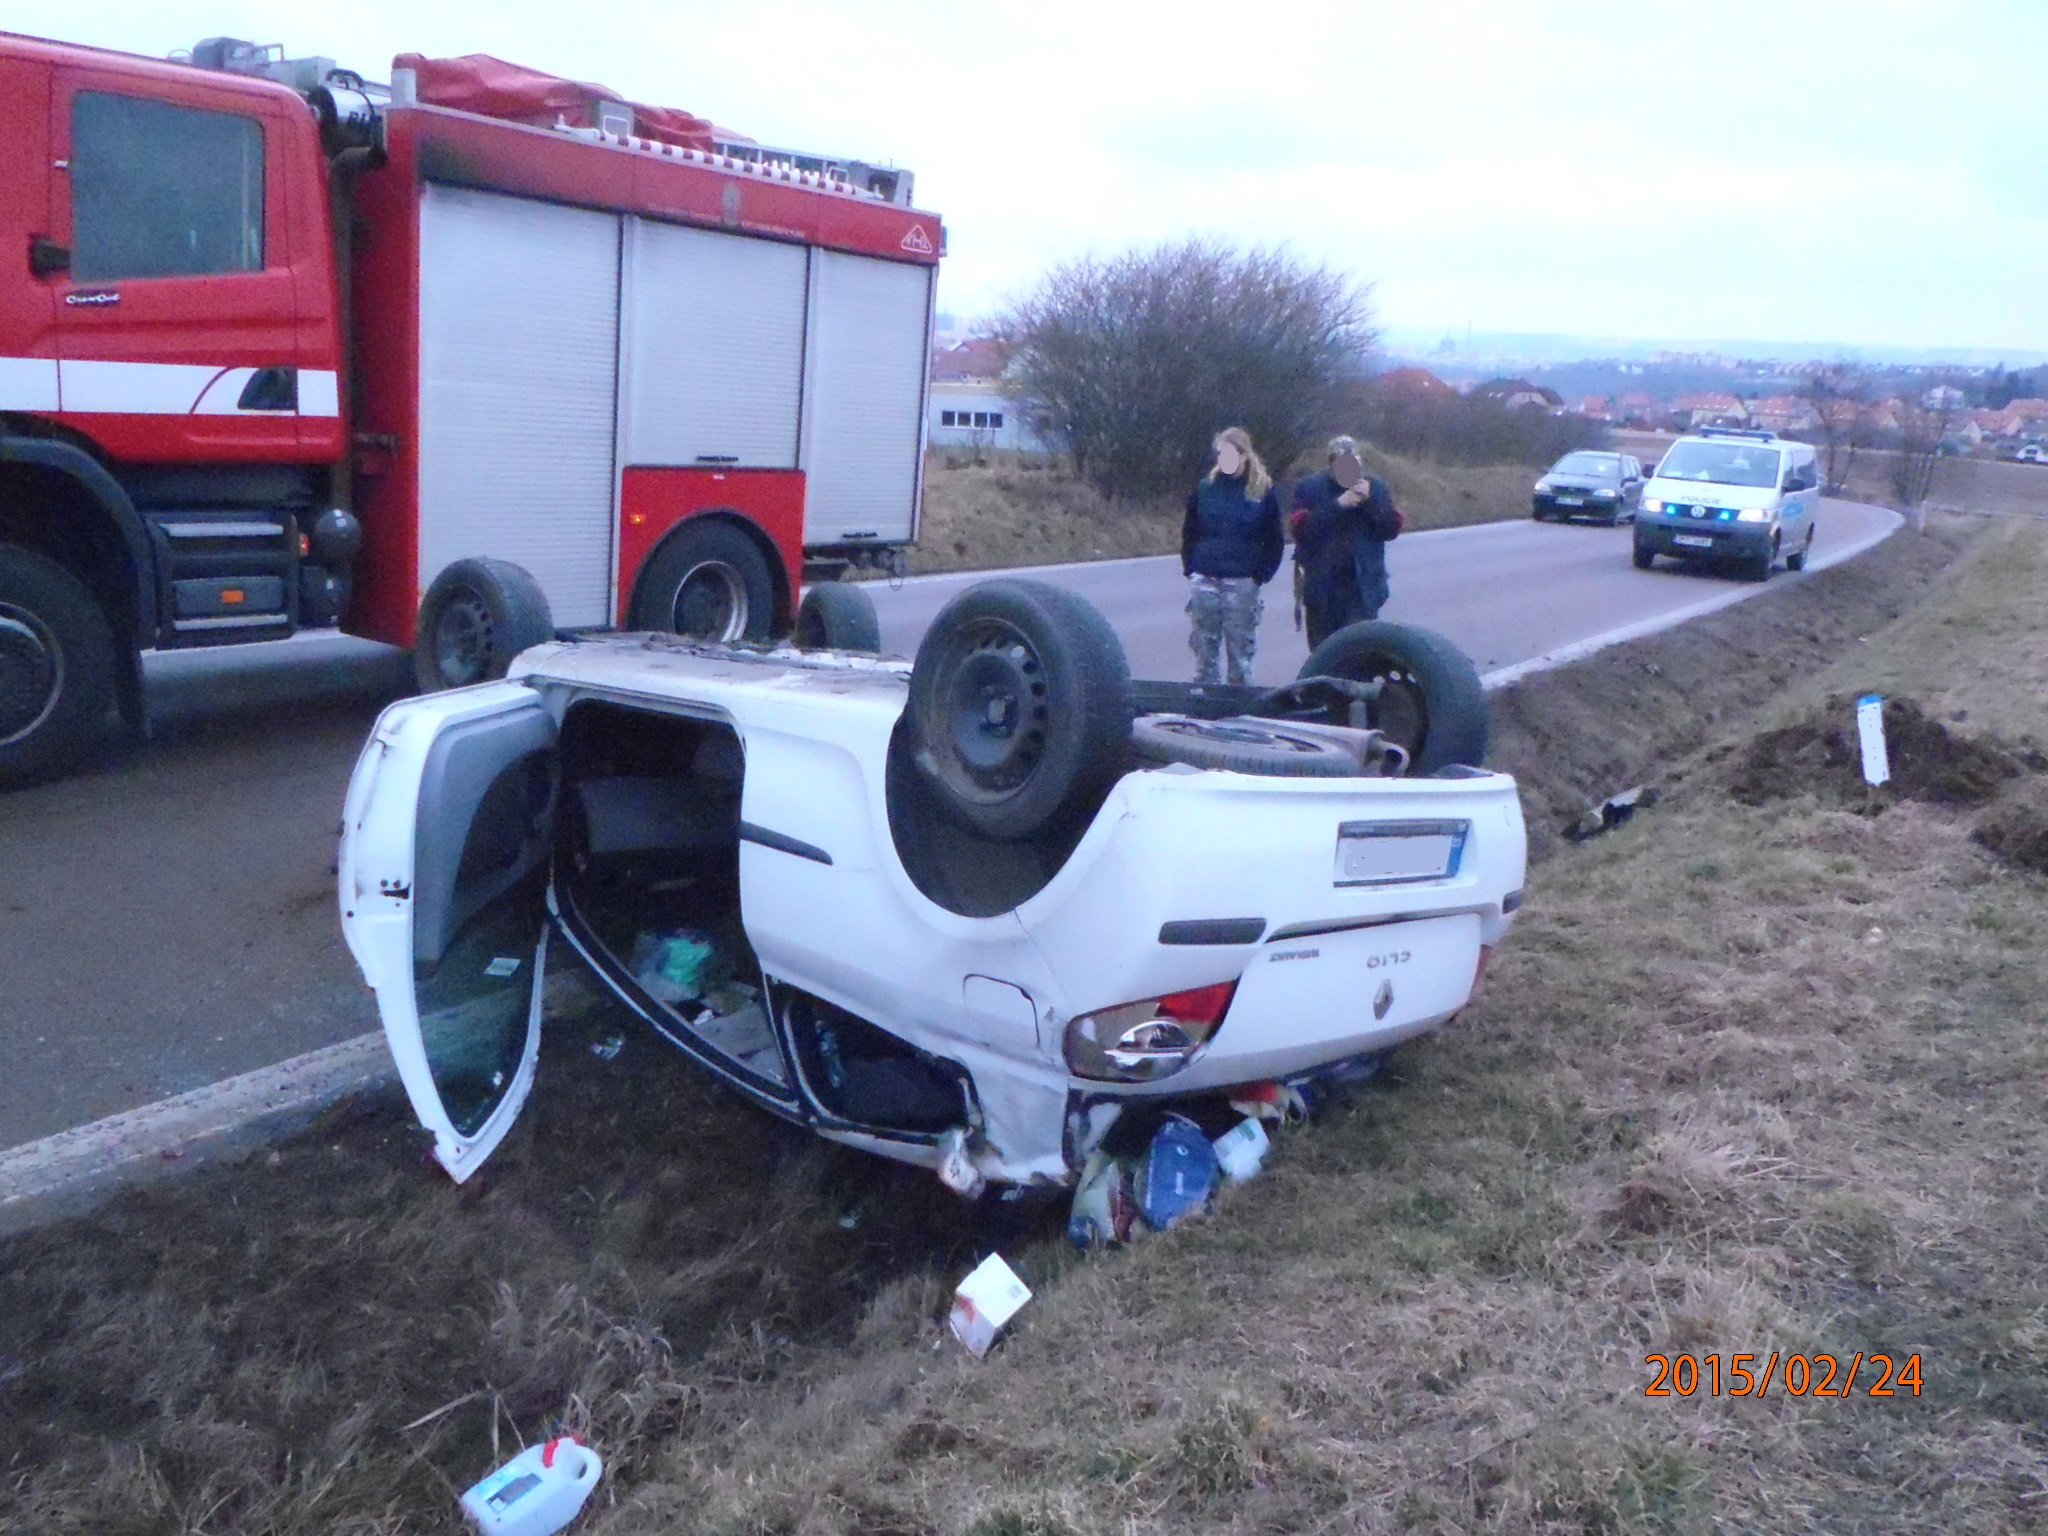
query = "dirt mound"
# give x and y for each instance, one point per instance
(1820, 755)
(2016, 829)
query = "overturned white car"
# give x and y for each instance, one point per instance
(961, 913)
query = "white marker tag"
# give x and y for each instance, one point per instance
(1877, 765)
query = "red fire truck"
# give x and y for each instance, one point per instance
(451, 362)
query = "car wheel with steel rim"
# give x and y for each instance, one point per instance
(709, 581)
(1020, 707)
(477, 615)
(1431, 702)
(56, 667)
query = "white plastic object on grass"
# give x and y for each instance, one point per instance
(1877, 766)
(987, 1299)
(537, 1492)
(1241, 1150)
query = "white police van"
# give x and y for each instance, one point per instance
(1731, 496)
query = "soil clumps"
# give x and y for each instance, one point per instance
(1821, 756)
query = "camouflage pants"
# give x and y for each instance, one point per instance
(1225, 612)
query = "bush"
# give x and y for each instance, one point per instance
(1136, 362)
(1469, 429)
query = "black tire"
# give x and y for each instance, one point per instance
(1796, 561)
(836, 617)
(1432, 703)
(1645, 557)
(56, 668)
(1241, 745)
(1758, 568)
(708, 581)
(475, 618)
(1020, 707)
(1539, 514)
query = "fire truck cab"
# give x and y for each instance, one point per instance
(454, 363)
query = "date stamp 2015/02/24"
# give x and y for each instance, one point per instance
(1795, 1375)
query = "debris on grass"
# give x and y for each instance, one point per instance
(1614, 811)
(537, 1492)
(986, 1300)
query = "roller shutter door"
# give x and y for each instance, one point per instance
(867, 363)
(714, 349)
(519, 313)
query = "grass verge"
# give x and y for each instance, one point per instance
(1758, 1072)
(1011, 510)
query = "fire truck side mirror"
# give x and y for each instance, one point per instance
(46, 258)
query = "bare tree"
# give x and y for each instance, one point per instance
(1135, 362)
(1923, 425)
(1837, 392)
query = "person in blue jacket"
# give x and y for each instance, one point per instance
(1230, 545)
(1343, 521)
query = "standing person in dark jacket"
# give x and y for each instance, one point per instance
(1343, 521)
(1230, 546)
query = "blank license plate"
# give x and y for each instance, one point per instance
(1692, 541)
(1397, 852)
(1571, 501)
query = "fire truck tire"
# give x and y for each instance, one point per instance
(1020, 707)
(834, 617)
(708, 581)
(476, 617)
(1431, 702)
(56, 668)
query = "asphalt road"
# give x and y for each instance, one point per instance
(1505, 592)
(167, 918)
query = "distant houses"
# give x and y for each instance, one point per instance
(971, 404)
(974, 406)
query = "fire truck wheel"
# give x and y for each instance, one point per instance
(708, 581)
(1431, 700)
(833, 617)
(56, 667)
(1020, 707)
(477, 616)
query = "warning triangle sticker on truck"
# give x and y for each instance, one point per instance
(918, 241)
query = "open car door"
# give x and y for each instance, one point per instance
(445, 851)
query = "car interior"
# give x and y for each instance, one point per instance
(647, 867)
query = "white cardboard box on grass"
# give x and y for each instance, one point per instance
(986, 1299)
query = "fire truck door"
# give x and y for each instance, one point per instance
(177, 317)
(28, 343)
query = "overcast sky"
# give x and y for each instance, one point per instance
(1863, 172)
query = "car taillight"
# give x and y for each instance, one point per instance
(1144, 1041)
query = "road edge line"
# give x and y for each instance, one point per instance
(90, 1156)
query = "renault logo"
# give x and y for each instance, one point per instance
(1382, 1000)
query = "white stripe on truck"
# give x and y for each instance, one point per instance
(148, 389)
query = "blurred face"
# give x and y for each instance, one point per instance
(1229, 461)
(1346, 470)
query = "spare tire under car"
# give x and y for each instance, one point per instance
(1020, 707)
(1242, 744)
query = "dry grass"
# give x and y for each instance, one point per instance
(1014, 510)
(1748, 1078)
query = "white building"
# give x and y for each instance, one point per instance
(975, 413)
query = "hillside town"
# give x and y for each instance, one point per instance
(1980, 412)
